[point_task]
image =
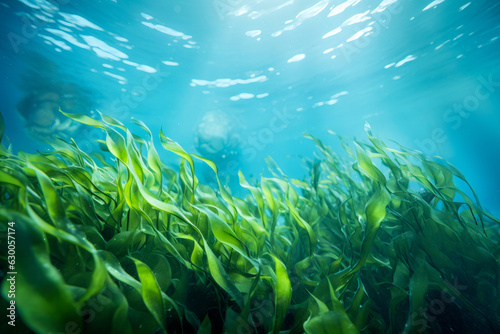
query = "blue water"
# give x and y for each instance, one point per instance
(425, 74)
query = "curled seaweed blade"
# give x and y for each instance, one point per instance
(84, 119)
(151, 292)
(174, 147)
(283, 294)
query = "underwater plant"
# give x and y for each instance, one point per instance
(117, 242)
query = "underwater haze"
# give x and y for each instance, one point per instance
(411, 87)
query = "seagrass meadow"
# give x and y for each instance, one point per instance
(385, 240)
